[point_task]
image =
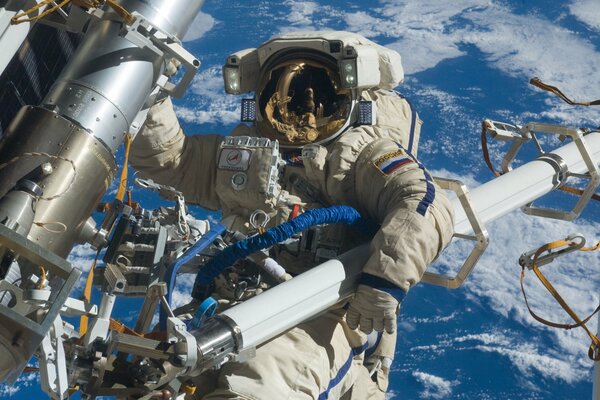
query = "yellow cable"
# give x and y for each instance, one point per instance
(86, 4)
(594, 349)
(18, 20)
(123, 181)
(87, 295)
(43, 281)
(123, 13)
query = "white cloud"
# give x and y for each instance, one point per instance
(435, 320)
(496, 280)
(210, 103)
(435, 387)
(182, 294)
(202, 24)
(392, 395)
(423, 29)
(301, 12)
(308, 15)
(587, 11)
(81, 257)
(527, 360)
(25, 381)
(522, 46)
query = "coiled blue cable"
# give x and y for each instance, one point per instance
(278, 234)
(173, 269)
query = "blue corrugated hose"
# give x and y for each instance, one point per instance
(278, 234)
(171, 274)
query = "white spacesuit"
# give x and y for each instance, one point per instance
(328, 130)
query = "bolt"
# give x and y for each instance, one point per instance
(47, 169)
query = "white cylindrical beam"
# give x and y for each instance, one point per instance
(288, 304)
(299, 299)
(521, 186)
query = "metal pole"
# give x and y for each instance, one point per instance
(283, 307)
(523, 185)
(596, 385)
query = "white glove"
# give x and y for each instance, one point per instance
(372, 309)
(172, 67)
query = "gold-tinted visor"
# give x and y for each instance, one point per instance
(302, 102)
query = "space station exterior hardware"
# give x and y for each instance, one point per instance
(57, 159)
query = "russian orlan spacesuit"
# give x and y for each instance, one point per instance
(327, 130)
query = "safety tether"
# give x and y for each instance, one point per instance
(553, 89)
(594, 349)
(26, 16)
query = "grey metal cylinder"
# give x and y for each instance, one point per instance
(17, 209)
(172, 16)
(106, 83)
(79, 182)
(93, 103)
(109, 79)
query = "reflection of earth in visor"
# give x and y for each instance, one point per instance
(303, 103)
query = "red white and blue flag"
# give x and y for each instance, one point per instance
(390, 162)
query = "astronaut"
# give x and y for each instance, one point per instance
(326, 129)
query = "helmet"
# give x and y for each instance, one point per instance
(300, 99)
(307, 84)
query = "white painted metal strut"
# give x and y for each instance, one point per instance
(288, 304)
(523, 185)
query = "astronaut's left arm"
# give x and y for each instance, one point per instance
(393, 188)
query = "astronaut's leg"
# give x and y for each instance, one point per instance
(367, 387)
(312, 361)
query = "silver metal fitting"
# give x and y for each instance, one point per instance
(559, 165)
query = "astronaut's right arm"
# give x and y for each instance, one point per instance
(164, 154)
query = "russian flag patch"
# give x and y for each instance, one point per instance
(390, 162)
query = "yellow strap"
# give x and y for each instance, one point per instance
(577, 192)
(122, 328)
(87, 296)
(123, 181)
(122, 12)
(594, 349)
(17, 19)
(553, 89)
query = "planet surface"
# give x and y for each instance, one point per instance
(464, 61)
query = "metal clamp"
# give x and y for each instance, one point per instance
(526, 259)
(520, 135)
(185, 343)
(593, 172)
(480, 237)
(144, 34)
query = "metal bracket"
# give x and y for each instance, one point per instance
(592, 165)
(53, 363)
(144, 34)
(520, 135)
(153, 296)
(526, 259)
(480, 237)
(29, 333)
(177, 333)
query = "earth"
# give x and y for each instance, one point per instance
(464, 60)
